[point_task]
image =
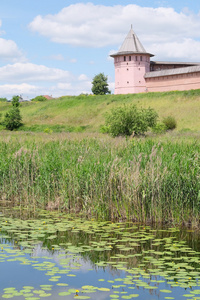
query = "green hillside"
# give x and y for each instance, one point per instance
(86, 113)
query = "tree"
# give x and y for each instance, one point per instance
(127, 120)
(12, 119)
(100, 85)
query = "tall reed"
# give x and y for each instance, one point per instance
(106, 178)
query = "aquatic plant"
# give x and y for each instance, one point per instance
(108, 179)
(128, 260)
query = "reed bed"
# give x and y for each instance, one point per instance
(140, 180)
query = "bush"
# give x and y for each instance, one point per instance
(170, 123)
(159, 128)
(12, 119)
(39, 98)
(104, 129)
(127, 120)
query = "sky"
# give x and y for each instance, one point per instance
(56, 47)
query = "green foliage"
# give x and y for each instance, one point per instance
(39, 98)
(138, 179)
(170, 123)
(127, 120)
(100, 85)
(159, 128)
(52, 128)
(12, 119)
(15, 101)
(48, 130)
(104, 129)
(3, 100)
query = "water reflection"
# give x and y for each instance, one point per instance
(56, 254)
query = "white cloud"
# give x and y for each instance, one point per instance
(9, 90)
(73, 60)
(188, 50)
(73, 88)
(97, 25)
(9, 50)
(59, 57)
(30, 79)
(20, 72)
(111, 86)
(83, 77)
(109, 58)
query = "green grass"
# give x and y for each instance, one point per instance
(86, 113)
(59, 159)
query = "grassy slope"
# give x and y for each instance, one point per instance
(89, 111)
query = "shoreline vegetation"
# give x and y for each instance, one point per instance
(59, 159)
(140, 179)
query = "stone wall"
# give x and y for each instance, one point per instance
(180, 82)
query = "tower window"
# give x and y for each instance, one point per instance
(140, 58)
(129, 58)
(124, 58)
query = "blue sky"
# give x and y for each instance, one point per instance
(57, 47)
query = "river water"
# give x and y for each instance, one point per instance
(56, 256)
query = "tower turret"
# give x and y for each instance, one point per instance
(131, 63)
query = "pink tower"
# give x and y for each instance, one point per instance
(131, 63)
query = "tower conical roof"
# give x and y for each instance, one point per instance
(131, 45)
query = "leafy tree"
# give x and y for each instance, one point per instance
(12, 119)
(100, 85)
(15, 101)
(128, 120)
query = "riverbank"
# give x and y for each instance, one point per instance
(86, 113)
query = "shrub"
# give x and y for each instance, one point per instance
(170, 123)
(48, 130)
(127, 120)
(104, 129)
(39, 98)
(159, 128)
(12, 119)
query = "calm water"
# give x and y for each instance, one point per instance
(60, 257)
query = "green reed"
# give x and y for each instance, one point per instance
(141, 180)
